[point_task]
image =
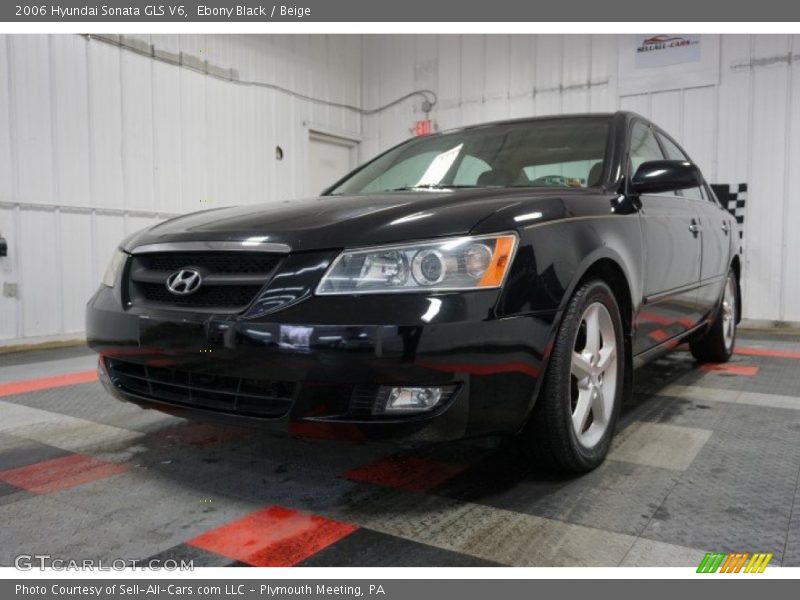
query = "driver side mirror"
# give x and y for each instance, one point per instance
(657, 176)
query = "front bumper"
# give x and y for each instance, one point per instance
(329, 363)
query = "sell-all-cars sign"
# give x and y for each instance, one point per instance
(663, 49)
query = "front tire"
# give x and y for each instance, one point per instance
(575, 415)
(716, 346)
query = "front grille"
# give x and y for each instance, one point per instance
(230, 280)
(222, 393)
(216, 262)
(204, 297)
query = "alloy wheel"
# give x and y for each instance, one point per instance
(593, 381)
(729, 312)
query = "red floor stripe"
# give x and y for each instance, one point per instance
(44, 383)
(406, 473)
(658, 335)
(746, 370)
(60, 473)
(649, 317)
(747, 351)
(273, 537)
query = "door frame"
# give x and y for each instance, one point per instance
(321, 133)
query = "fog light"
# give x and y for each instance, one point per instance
(415, 399)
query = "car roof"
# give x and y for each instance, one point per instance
(628, 115)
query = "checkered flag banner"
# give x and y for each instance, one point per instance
(733, 196)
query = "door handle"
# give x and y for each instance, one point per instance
(725, 227)
(695, 228)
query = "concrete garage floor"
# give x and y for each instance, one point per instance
(703, 460)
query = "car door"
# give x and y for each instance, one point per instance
(673, 253)
(717, 229)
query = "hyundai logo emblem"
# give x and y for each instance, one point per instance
(184, 282)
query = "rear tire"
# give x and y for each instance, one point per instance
(575, 414)
(716, 346)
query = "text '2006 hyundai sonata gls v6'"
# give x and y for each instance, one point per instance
(502, 279)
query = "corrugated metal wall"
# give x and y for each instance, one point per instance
(743, 128)
(97, 141)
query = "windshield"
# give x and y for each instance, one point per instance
(566, 152)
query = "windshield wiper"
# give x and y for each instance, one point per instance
(431, 186)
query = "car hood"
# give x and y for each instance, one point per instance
(332, 222)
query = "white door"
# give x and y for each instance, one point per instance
(329, 158)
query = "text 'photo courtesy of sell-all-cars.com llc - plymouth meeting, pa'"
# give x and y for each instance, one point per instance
(497, 280)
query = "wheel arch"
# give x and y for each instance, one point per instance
(610, 272)
(610, 269)
(607, 265)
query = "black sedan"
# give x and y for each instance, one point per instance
(502, 279)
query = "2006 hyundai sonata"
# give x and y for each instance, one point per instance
(502, 279)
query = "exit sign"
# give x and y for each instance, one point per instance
(423, 127)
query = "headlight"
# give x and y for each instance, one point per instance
(114, 268)
(462, 263)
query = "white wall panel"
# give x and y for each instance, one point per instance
(10, 307)
(263, 150)
(7, 156)
(734, 111)
(76, 267)
(449, 113)
(194, 141)
(521, 75)
(667, 111)
(137, 131)
(473, 70)
(497, 68)
(576, 74)
(521, 72)
(791, 273)
(167, 139)
(315, 83)
(41, 281)
(547, 74)
(29, 60)
(764, 224)
(547, 56)
(603, 94)
(105, 125)
(639, 103)
(699, 127)
(350, 67)
(70, 121)
(284, 121)
(220, 153)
